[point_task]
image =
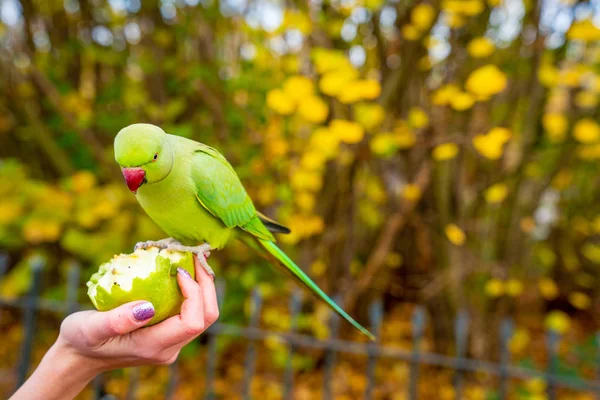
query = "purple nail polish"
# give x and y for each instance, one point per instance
(143, 311)
(183, 272)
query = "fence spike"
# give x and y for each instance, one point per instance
(133, 383)
(330, 355)
(461, 332)
(597, 340)
(376, 317)
(173, 379)
(29, 320)
(418, 326)
(251, 353)
(73, 287)
(288, 380)
(506, 332)
(4, 259)
(552, 342)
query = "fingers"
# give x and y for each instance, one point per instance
(98, 327)
(209, 291)
(198, 311)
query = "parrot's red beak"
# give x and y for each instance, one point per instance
(134, 177)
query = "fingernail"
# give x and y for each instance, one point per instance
(143, 311)
(183, 272)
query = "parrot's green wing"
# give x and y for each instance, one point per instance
(221, 192)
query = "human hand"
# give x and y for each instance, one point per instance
(91, 342)
(113, 339)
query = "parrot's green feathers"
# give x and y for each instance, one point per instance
(137, 144)
(193, 193)
(291, 268)
(221, 192)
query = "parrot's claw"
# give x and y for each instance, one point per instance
(202, 251)
(161, 244)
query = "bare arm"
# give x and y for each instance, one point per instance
(91, 342)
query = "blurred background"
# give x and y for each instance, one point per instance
(434, 153)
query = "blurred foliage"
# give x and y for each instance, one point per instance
(434, 152)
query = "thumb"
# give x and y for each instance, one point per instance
(102, 326)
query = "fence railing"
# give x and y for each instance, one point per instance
(32, 303)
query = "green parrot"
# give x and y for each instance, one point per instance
(192, 192)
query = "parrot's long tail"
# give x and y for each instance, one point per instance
(291, 268)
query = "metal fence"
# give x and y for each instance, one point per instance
(459, 364)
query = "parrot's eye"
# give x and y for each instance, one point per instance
(155, 156)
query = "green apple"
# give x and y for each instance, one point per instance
(149, 275)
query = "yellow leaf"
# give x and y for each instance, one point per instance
(370, 89)
(297, 20)
(314, 159)
(514, 287)
(455, 235)
(584, 30)
(405, 138)
(384, 144)
(563, 179)
(586, 131)
(589, 152)
(350, 93)
(298, 87)
(313, 109)
(595, 224)
(519, 340)
(422, 16)
(472, 7)
(10, 211)
(491, 144)
(417, 118)
(480, 47)
(464, 7)
(500, 134)
(424, 63)
(369, 115)
(411, 192)
(548, 75)
(556, 126)
(82, 181)
(305, 201)
(580, 300)
(586, 99)
(591, 251)
(496, 193)
(558, 321)
(326, 141)
(347, 131)
(280, 102)
(462, 101)
(446, 151)
(444, 94)
(410, 32)
(486, 81)
(494, 287)
(318, 268)
(306, 180)
(455, 20)
(333, 82)
(536, 385)
(394, 260)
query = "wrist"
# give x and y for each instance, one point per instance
(62, 374)
(71, 362)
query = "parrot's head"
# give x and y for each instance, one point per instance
(144, 154)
